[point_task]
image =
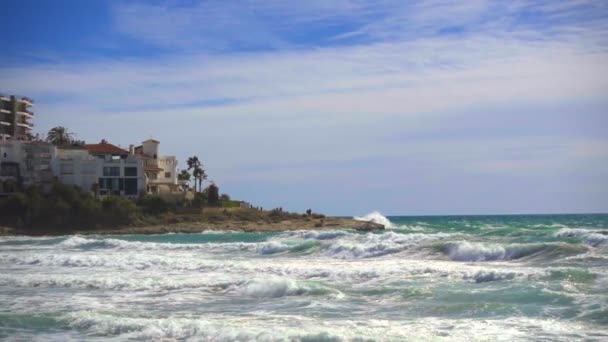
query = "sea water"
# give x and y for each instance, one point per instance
(541, 277)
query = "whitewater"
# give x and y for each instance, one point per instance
(505, 278)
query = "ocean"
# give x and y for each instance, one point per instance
(487, 278)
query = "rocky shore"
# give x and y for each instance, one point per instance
(220, 220)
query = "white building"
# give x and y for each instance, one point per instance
(24, 164)
(119, 172)
(161, 171)
(74, 165)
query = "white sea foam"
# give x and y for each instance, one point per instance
(273, 247)
(591, 237)
(375, 245)
(292, 328)
(273, 287)
(485, 276)
(474, 251)
(376, 217)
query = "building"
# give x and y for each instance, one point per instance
(24, 164)
(119, 172)
(161, 171)
(74, 165)
(15, 117)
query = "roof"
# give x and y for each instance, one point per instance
(105, 148)
(152, 140)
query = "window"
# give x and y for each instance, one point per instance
(111, 171)
(167, 174)
(130, 171)
(112, 184)
(131, 186)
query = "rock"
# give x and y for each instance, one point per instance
(367, 226)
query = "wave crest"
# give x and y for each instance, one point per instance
(590, 237)
(475, 251)
(376, 217)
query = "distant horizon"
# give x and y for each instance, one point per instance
(435, 106)
(448, 215)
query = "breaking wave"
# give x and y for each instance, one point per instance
(274, 287)
(590, 237)
(475, 251)
(376, 217)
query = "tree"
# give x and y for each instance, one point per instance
(198, 172)
(59, 136)
(184, 177)
(213, 194)
(225, 197)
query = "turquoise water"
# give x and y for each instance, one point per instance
(426, 278)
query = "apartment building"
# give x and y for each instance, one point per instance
(15, 117)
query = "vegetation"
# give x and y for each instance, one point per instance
(59, 136)
(65, 207)
(153, 205)
(213, 195)
(198, 172)
(184, 178)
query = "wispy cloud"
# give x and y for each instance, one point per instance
(441, 90)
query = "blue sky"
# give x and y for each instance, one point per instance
(346, 106)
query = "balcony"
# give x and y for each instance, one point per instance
(26, 113)
(27, 125)
(27, 100)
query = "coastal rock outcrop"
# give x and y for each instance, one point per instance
(367, 226)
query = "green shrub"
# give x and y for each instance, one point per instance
(200, 199)
(153, 205)
(119, 210)
(213, 195)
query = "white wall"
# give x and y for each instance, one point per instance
(150, 148)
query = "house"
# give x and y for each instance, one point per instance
(119, 172)
(24, 164)
(161, 171)
(74, 165)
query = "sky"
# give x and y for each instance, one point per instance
(343, 106)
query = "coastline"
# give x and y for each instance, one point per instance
(197, 226)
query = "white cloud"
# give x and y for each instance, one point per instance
(306, 108)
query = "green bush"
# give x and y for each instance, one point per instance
(153, 205)
(213, 195)
(200, 199)
(230, 204)
(119, 210)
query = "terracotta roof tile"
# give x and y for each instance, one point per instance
(105, 148)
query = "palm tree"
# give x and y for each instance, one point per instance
(197, 171)
(59, 136)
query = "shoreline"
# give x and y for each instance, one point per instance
(198, 226)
